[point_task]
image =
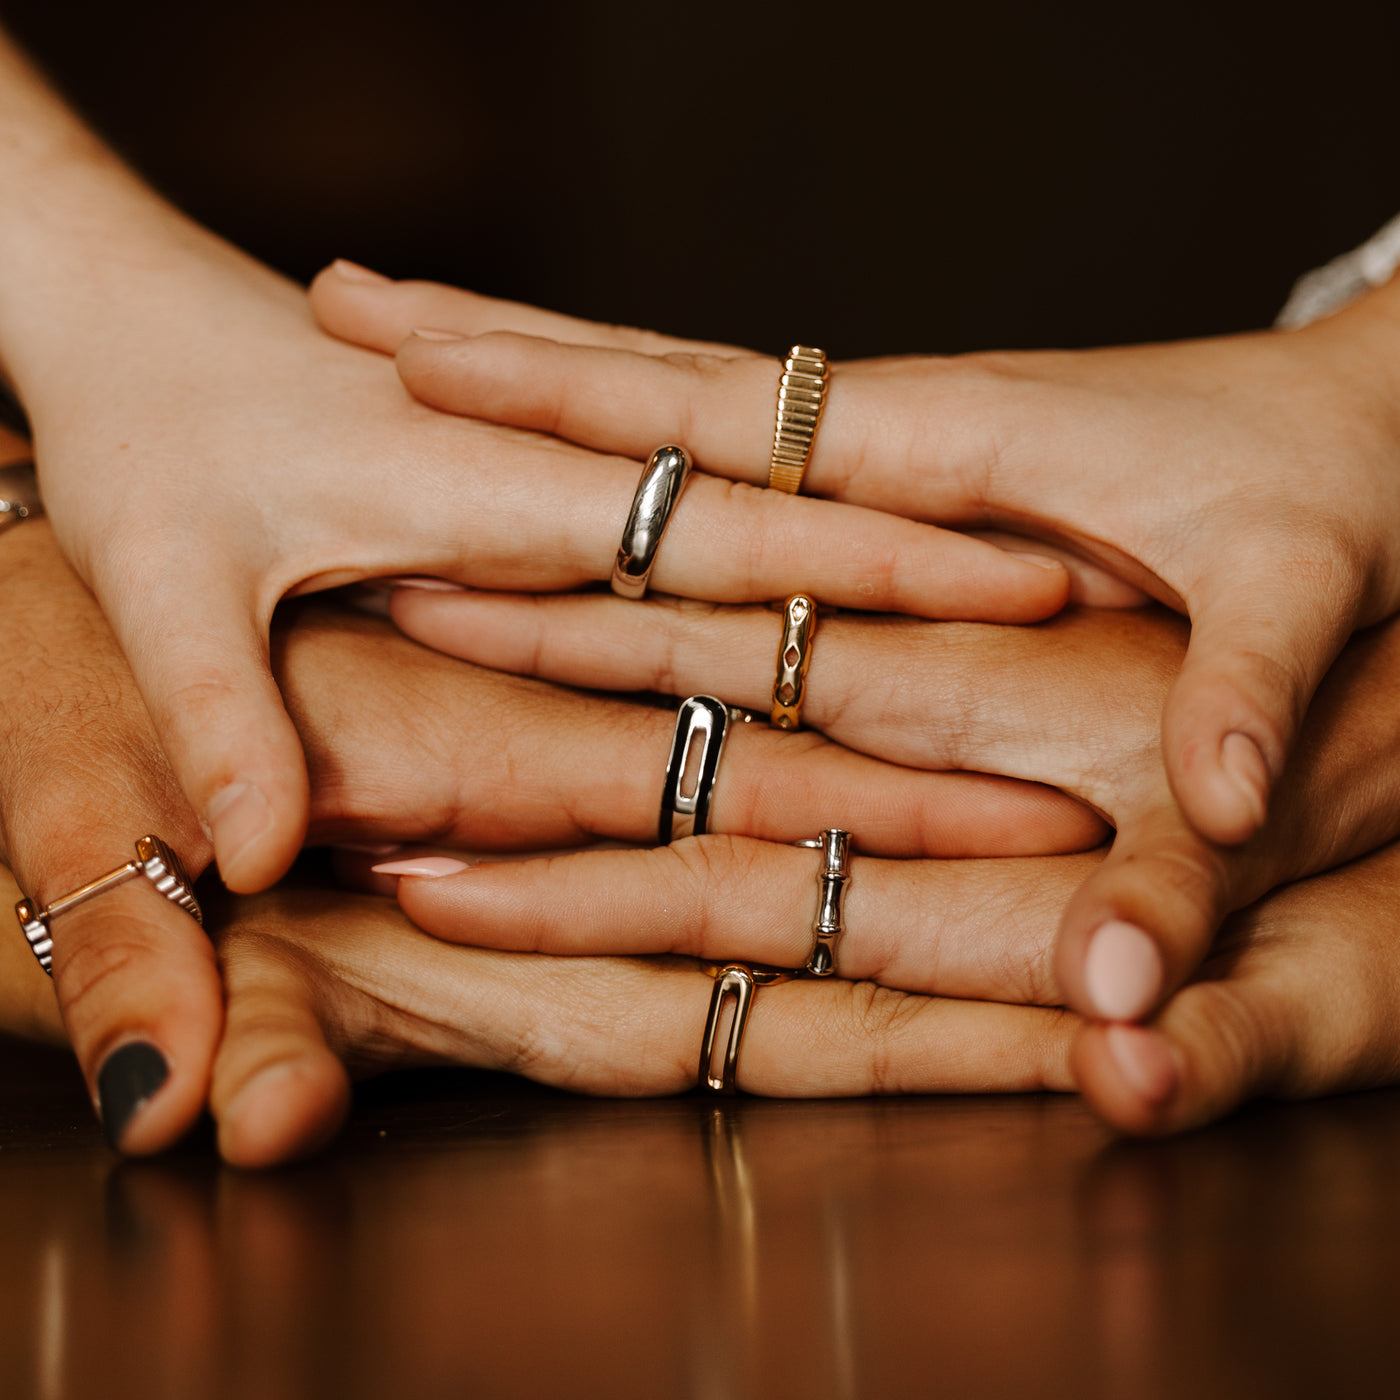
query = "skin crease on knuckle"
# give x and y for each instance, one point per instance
(126, 956)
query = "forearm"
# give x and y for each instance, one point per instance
(82, 238)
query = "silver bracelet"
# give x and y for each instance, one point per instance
(19, 494)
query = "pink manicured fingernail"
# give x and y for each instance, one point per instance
(1146, 1060)
(238, 816)
(353, 272)
(432, 333)
(385, 848)
(431, 867)
(1122, 971)
(1242, 761)
(1041, 561)
(426, 585)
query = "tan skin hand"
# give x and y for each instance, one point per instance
(82, 776)
(1072, 703)
(341, 981)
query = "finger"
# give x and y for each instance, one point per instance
(1090, 585)
(531, 766)
(617, 398)
(141, 1001)
(633, 1027)
(1255, 659)
(1299, 1001)
(278, 1090)
(83, 779)
(723, 542)
(972, 928)
(609, 396)
(201, 664)
(1003, 700)
(368, 309)
(1144, 919)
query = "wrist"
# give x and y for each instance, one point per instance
(90, 256)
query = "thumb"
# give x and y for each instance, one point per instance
(204, 673)
(1255, 658)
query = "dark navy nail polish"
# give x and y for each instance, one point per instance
(126, 1083)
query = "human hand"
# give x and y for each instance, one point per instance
(1297, 1000)
(406, 744)
(204, 452)
(1073, 703)
(1252, 481)
(324, 984)
(403, 744)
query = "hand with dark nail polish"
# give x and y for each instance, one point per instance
(129, 1079)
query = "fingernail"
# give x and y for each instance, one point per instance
(238, 816)
(1041, 561)
(1242, 761)
(1146, 1060)
(385, 848)
(433, 867)
(128, 1080)
(425, 584)
(353, 272)
(432, 333)
(1122, 971)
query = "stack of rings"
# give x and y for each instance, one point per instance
(703, 720)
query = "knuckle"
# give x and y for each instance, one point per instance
(1189, 877)
(875, 1016)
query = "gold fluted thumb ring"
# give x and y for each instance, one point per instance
(801, 395)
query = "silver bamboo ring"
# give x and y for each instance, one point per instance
(834, 876)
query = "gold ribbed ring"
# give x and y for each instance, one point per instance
(801, 395)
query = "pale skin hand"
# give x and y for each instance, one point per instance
(402, 744)
(1252, 482)
(1072, 703)
(204, 451)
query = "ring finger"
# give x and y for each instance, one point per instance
(975, 928)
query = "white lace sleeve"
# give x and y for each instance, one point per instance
(1327, 289)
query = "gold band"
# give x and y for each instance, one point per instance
(794, 657)
(739, 980)
(801, 395)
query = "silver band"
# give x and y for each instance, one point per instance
(740, 981)
(704, 719)
(834, 876)
(662, 481)
(154, 859)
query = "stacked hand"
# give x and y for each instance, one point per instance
(206, 452)
(1252, 481)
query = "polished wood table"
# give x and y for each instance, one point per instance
(472, 1235)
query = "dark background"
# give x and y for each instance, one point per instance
(865, 177)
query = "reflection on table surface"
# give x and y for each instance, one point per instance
(472, 1235)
